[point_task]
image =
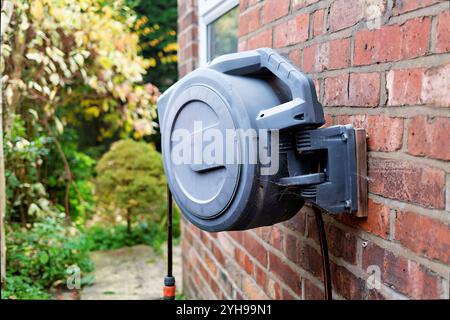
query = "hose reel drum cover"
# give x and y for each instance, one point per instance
(229, 94)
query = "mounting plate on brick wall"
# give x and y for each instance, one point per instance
(361, 170)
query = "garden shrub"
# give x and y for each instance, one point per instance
(114, 237)
(130, 183)
(82, 168)
(22, 287)
(40, 256)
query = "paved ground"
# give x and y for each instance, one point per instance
(134, 273)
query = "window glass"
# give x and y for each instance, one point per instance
(223, 34)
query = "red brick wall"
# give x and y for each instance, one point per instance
(380, 64)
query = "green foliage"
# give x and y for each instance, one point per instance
(81, 57)
(180, 296)
(130, 182)
(20, 287)
(157, 29)
(82, 166)
(36, 177)
(114, 237)
(25, 194)
(41, 255)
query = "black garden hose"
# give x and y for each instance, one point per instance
(324, 250)
(169, 280)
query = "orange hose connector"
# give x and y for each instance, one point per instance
(169, 292)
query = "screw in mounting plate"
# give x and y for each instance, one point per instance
(344, 137)
(347, 204)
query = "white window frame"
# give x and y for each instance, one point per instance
(209, 11)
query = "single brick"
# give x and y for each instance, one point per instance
(380, 45)
(249, 21)
(429, 137)
(309, 59)
(402, 274)
(345, 13)
(292, 31)
(424, 235)
(415, 37)
(291, 248)
(274, 9)
(407, 181)
(262, 39)
(346, 283)
(248, 265)
(318, 22)
(364, 89)
(436, 86)
(309, 259)
(443, 32)
(404, 87)
(339, 54)
(336, 90)
(239, 257)
(341, 244)
(295, 57)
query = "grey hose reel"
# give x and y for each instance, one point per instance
(262, 93)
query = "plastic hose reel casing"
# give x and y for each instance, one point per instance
(249, 90)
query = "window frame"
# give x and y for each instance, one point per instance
(208, 12)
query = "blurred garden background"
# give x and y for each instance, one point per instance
(82, 163)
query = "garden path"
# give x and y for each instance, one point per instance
(132, 273)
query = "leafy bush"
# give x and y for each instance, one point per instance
(130, 183)
(41, 255)
(82, 167)
(20, 287)
(82, 57)
(104, 238)
(25, 193)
